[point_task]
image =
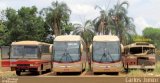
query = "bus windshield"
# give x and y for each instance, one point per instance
(24, 52)
(106, 51)
(142, 50)
(66, 51)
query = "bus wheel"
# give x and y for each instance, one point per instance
(55, 73)
(49, 70)
(18, 73)
(94, 73)
(116, 73)
(127, 69)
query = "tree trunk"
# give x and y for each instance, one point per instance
(58, 27)
(55, 28)
(88, 54)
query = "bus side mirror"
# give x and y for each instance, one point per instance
(90, 48)
(51, 49)
(122, 49)
(9, 55)
(81, 48)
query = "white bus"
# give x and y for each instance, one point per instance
(69, 54)
(106, 54)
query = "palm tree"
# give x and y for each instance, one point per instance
(124, 26)
(57, 16)
(86, 31)
(103, 23)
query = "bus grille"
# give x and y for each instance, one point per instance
(144, 61)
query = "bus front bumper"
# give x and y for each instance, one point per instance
(67, 68)
(141, 67)
(113, 67)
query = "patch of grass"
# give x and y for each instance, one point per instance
(136, 73)
(8, 74)
(157, 69)
(87, 67)
(158, 52)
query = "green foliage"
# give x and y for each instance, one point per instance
(153, 34)
(67, 28)
(1, 33)
(57, 17)
(124, 27)
(86, 31)
(139, 38)
(29, 24)
(116, 21)
(23, 24)
(139, 73)
(157, 69)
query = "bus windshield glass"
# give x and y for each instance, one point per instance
(24, 52)
(106, 51)
(66, 51)
(142, 50)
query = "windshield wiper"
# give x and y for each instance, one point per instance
(105, 56)
(110, 56)
(66, 53)
(60, 60)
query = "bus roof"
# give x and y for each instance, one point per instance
(105, 38)
(68, 38)
(28, 43)
(140, 44)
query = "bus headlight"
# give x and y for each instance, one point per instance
(95, 65)
(118, 65)
(78, 65)
(33, 64)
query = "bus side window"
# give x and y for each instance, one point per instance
(45, 49)
(5, 52)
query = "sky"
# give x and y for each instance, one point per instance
(146, 13)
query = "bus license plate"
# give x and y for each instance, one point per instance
(66, 69)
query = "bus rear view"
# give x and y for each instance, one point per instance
(106, 54)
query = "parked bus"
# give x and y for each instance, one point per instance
(5, 62)
(30, 56)
(69, 54)
(139, 55)
(106, 54)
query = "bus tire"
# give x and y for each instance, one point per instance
(116, 73)
(55, 73)
(127, 69)
(49, 70)
(18, 73)
(94, 73)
